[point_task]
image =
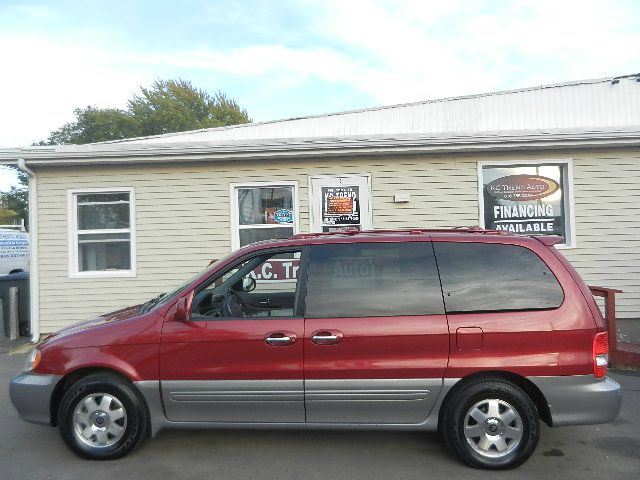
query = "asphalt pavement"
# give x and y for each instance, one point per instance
(28, 451)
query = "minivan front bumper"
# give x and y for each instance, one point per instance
(580, 399)
(31, 396)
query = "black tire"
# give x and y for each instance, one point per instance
(511, 402)
(133, 425)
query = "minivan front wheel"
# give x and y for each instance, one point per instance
(102, 417)
(491, 424)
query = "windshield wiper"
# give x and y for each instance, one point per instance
(148, 305)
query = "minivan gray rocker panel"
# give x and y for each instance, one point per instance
(345, 404)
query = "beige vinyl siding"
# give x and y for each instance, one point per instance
(182, 219)
(607, 214)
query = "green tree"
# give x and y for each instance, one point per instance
(14, 204)
(168, 106)
(177, 106)
(95, 125)
(7, 216)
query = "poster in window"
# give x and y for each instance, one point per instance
(274, 215)
(265, 205)
(525, 199)
(341, 206)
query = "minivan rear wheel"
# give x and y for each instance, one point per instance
(491, 424)
(102, 417)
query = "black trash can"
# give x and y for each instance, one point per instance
(21, 281)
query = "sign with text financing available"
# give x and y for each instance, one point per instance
(525, 199)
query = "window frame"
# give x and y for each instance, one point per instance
(234, 214)
(73, 234)
(569, 203)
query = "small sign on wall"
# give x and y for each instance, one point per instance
(340, 202)
(341, 205)
(14, 251)
(278, 215)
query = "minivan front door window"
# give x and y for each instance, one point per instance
(261, 286)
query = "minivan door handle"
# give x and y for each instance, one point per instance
(280, 339)
(326, 337)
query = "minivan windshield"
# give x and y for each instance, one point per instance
(163, 298)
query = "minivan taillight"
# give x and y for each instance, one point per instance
(600, 354)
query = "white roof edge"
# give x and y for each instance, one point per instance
(384, 107)
(314, 147)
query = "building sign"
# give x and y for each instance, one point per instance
(341, 205)
(14, 251)
(283, 215)
(353, 268)
(522, 187)
(526, 199)
(276, 270)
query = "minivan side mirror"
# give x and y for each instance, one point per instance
(182, 310)
(248, 284)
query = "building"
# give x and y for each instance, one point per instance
(116, 223)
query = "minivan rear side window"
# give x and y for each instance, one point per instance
(372, 279)
(482, 277)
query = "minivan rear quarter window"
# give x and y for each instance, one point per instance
(372, 280)
(480, 277)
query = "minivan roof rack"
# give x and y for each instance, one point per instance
(415, 231)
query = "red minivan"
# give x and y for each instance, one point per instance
(477, 334)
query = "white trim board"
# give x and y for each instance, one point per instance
(310, 147)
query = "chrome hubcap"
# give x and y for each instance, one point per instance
(493, 428)
(99, 420)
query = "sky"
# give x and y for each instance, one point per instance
(296, 57)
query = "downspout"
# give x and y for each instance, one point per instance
(33, 244)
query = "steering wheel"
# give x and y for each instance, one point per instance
(233, 303)
(216, 306)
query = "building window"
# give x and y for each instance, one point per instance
(263, 211)
(101, 231)
(530, 198)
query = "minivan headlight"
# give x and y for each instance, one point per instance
(33, 360)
